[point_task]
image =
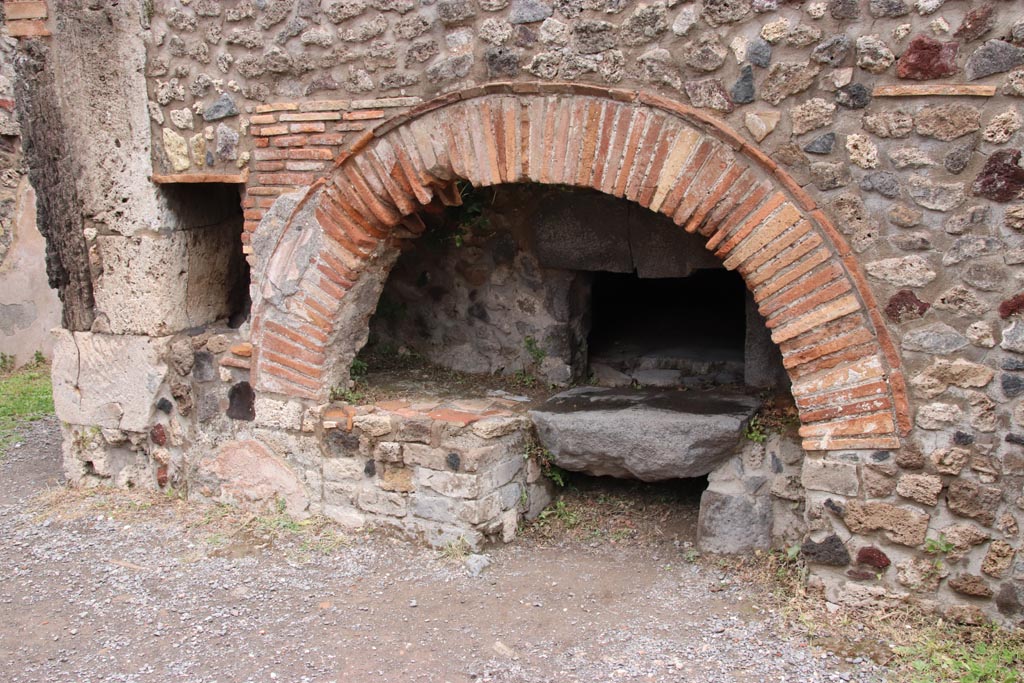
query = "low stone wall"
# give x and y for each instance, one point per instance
(443, 470)
(439, 470)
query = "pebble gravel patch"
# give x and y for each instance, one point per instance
(129, 588)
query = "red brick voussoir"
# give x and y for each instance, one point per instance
(661, 154)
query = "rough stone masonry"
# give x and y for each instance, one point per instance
(858, 162)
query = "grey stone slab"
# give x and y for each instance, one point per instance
(649, 435)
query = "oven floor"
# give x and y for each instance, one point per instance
(657, 357)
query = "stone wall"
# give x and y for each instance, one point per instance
(503, 285)
(880, 137)
(471, 293)
(28, 308)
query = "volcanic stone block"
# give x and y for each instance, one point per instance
(734, 522)
(584, 236)
(1002, 179)
(647, 435)
(904, 525)
(830, 551)
(969, 499)
(831, 475)
(926, 58)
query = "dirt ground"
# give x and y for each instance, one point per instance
(136, 587)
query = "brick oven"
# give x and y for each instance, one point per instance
(657, 211)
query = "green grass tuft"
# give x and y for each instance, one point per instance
(982, 654)
(25, 395)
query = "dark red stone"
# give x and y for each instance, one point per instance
(158, 434)
(926, 58)
(1002, 179)
(161, 476)
(976, 23)
(873, 557)
(1012, 306)
(904, 305)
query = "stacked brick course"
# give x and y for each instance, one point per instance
(26, 18)
(296, 143)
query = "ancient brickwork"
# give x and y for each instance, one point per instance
(297, 143)
(445, 470)
(26, 18)
(857, 161)
(11, 167)
(28, 308)
(787, 250)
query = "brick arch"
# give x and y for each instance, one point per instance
(324, 276)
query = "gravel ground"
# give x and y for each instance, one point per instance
(118, 586)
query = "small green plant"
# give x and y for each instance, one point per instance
(777, 415)
(561, 512)
(935, 572)
(85, 438)
(938, 546)
(280, 520)
(546, 462)
(557, 475)
(536, 353)
(465, 221)
(6, 363)
(470, 215)
(524, 379)
(38, 359)
(172, 493)
(352, 395)
(358, 369)
(790, 571)
(691, 555)
(755, 430)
